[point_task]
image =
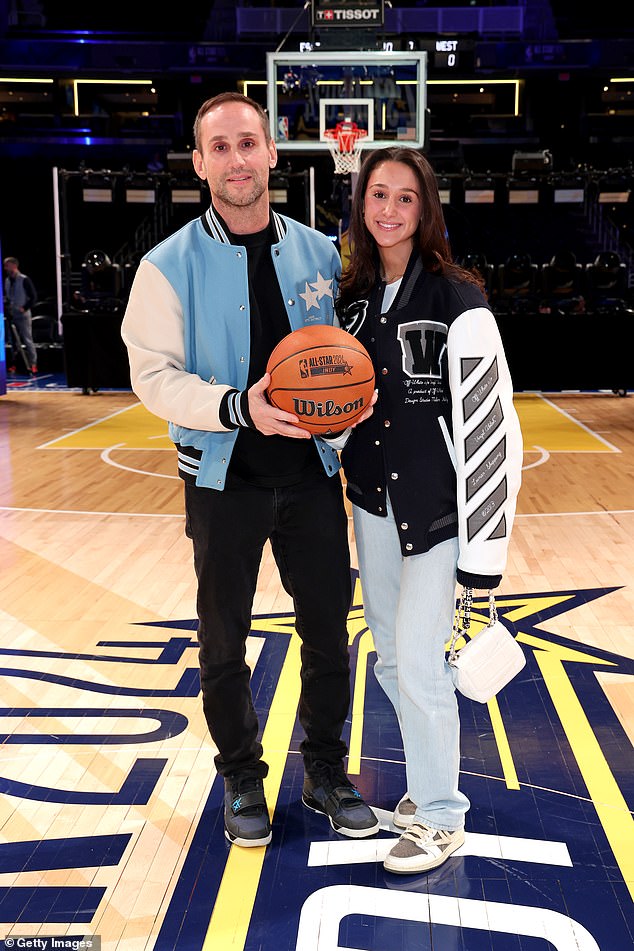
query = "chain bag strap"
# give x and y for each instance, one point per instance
(488, 661)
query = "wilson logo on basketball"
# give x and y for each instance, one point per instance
(306, 409)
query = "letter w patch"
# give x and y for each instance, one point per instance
(423, 343)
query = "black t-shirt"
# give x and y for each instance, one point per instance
(272, 461)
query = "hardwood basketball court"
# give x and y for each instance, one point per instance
(110, 816)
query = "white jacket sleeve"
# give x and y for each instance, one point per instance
(152, 330)
(488, 445)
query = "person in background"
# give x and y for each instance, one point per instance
(206, 308)
(433, 475)
(19, 297)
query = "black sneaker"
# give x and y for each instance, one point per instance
(246, 814)
(328, 790)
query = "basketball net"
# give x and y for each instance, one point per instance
(344, 143)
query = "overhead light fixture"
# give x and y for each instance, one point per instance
(140, 190)
(97, 187)
(185, 185)
(568, 189)
(76, 83)
(614, 188)
(484, 86)
(444, 190)
(185, 195)
(278, 188)
(569, 196)
(523, 191)
(479, 190)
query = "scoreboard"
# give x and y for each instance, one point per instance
(444, 54)
(360, 24)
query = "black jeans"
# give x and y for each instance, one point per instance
(307, 528)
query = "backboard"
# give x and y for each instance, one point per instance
(383, 92)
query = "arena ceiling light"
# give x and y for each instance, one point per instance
(568, 189)
(522, 191)
(614, 188)
(186, 196)
(97, 187)
(23, 79)
(444, 189)
(140, 190)
(479, 190)
(76, 83)
(185, 186)
(487, 85)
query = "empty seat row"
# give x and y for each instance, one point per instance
(562, 283)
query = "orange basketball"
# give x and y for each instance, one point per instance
(323, 375)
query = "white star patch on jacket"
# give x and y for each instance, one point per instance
(316, 290)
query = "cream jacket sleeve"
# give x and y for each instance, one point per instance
(153, 332)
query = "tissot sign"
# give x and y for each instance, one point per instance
(350, 13)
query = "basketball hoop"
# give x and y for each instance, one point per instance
(344, 143)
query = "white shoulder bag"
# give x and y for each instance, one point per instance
(487, 662)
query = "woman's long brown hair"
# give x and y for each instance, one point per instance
(431, 241)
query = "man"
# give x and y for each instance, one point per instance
(206, 308)
(19, 296)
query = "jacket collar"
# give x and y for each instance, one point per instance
(410, 279)
(216, 228)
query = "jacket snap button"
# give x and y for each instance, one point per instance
(291, 301)
(387, 423)
(383, 320)
(242, 307)
(404, 525)
(393, 475)
(384, 371)
(409, 546)
(379, 489)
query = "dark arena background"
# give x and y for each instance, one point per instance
(111, 828)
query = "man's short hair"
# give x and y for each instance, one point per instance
(230, 97)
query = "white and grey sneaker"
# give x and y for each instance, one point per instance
(404, 813)
(421, 849)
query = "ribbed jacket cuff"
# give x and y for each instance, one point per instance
(234, 410)
(483, 582)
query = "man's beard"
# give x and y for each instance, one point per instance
(242, 198)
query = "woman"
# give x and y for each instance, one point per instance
(433, 474)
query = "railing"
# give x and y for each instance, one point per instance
(608, 236)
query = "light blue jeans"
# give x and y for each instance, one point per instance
(409, 605)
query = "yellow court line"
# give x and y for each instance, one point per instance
(604, 791)
(233, 908)
(503, 745)
(364, 649)
(550, 428)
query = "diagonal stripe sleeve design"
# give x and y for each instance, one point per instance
(487, 442)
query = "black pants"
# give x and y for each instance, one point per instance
(307, 528)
